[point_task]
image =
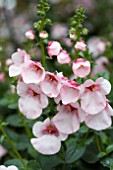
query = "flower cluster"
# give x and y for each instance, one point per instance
(75, 103)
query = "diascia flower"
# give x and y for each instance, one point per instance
(63, 57)
(80, 45)
(93, 98)
(12, 167)
(81, 68)
(33, 72)
(3, 151)
(67, 119)
(48, 137)
(51, 85)
(100, 121)
(32, 100)
(30, 35)
(54, 48)
(19, 59)
(100, 65)
(43, 34)
(69, 92)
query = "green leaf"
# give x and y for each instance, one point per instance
(91, 154)
(33, 165)
(50, 161)
(13, 106)
(74, 152)
(14, 120)
(2, 138)
(101, 154)
(15, 162)
(107, 162)
(109, 148)
(83, 129)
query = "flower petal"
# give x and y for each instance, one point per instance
(30, 107)
(99, 121)
(67, 122)
(47, 144)
(37, 129)
(93, 102)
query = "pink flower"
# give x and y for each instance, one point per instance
(55, 30)
(3, 151)
(100, 65)
(48, 137)
(33, 72)
(30, 35)
(19, 59)
(80, 45)
(9, 62)
(32, 100)
(51, 85)
(43, 34)
(100, 121)
(81, 68)
(93, 98)
(12, 167)
(70, 92)
(54, 48)
(96, 46)
(63, 57)
(67, 119)
(2, 77)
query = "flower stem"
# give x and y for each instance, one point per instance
(42, 44)
(13, 147)
(43, 54)
(28, 132)
(98, 143)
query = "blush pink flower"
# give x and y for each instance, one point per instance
(33, 72)
(43, 34)
(32, 100)
(12, 167)
(19, 59)
(96, 46)
(100, 121)
(80, 45)
(30, 35)
(51, 85)
(81, 68)
(70, 92)
(2, 77)
(100, 65)
(3, 151)
(93, 98)
(48, 137)
(63, 57)
(67, 119)
(54, 48)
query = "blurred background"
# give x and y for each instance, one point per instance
(18, 16)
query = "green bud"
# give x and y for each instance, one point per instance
(85, 31)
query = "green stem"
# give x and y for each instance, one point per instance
(28, 132)
(13, 147)
(43, 54)
(98, 143)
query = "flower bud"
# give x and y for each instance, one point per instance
(43, 34)
(30, 35)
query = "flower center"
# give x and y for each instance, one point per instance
(91, 88)
(71, 108)
(51, 78)
(51, 129)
